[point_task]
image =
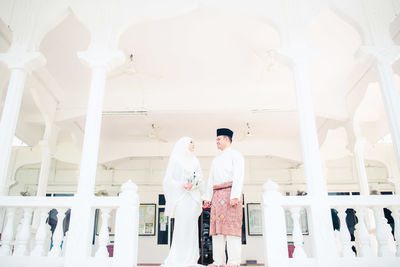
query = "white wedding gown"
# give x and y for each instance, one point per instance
(185, 241)
(184, 206)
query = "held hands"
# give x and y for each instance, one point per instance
(206, 205)
(234, 202)
(187, 186)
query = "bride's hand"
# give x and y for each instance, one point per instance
(187, 186)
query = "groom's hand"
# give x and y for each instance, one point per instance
(207, 205)
(234, 202)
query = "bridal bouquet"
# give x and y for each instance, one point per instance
(193, 179)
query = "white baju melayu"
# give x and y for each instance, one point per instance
(228, 166)
(185, 206)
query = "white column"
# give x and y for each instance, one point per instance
(359, 161)
(385, 56)
(392, 102)
(360, 166)
(44, 168)
(20, 64)
(81, 225)
(92, 133)
(49, 139)
(323, 241)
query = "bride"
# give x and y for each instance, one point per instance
(183, 187)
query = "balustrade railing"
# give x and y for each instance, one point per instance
(356, 251)
(24, 237)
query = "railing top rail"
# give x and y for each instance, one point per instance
(364, 201)
(57, 202)
(292, 201)
(337, 201)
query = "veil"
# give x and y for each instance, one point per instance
(173, 190)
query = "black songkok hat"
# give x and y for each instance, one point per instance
(224, 131)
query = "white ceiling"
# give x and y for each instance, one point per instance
(192, 74)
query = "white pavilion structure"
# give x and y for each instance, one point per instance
(98, 91)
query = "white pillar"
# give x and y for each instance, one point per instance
(323, 241)
(385, 56)
(392, 102)
(360, 166)
(92, 133)
(20, 64)
(43, 179)
(81, 225)
(44, 168)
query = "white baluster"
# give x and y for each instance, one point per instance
(58, 234)
(24, 234)
(102, 251)
(127, 227)
(8, 233)
(396, 217)
(297, 235)
(362, 234)
(41, 234)
(381, 235)
(345, 237)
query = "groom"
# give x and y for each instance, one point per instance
(224, 196)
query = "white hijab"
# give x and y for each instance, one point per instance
(172, 192)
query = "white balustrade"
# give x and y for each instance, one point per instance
(362, 235)
(381, 233)
(8, 233)
(102, 251)
(15, 244)
(24, 234)
(275, 239)
(41, 234)
(58, 234)
(345, 237)
(297, 234)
